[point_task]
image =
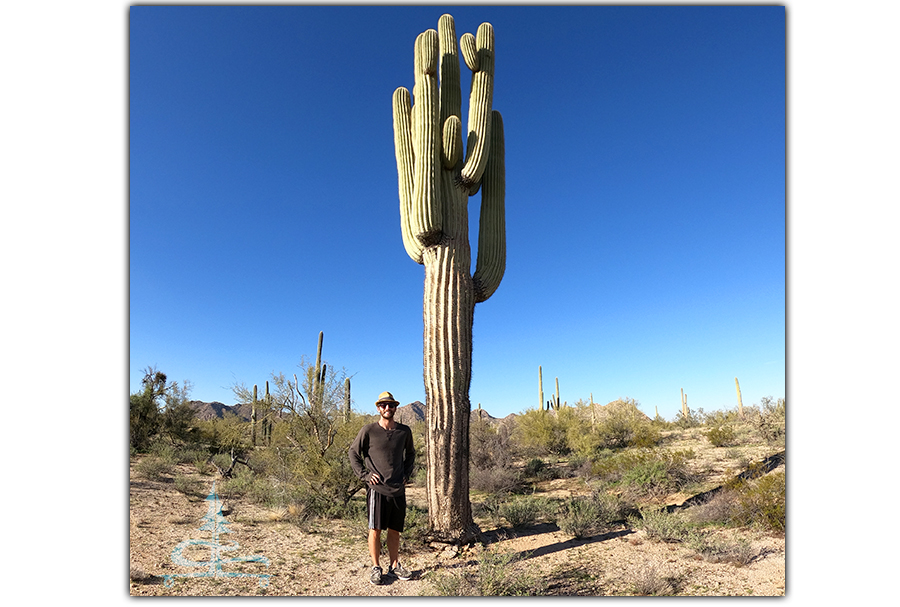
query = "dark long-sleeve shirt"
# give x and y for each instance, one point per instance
(389, 453)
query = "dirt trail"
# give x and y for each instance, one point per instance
(330, 558)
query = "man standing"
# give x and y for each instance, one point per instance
(382, 455)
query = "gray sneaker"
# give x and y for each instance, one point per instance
(375, 578)
(400, 572)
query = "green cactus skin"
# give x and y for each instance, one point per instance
(491, 262)
(480, 107)
(435, 180)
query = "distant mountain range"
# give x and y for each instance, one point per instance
(407, 414)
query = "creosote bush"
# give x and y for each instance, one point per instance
(645, 472)
(585, 516)
(762, 502)
(495, 575)
(770, 420)
(721, 435)
(524, 510)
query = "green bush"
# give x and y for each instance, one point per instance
(495, 576)
(521, 511)
(584, 516)
(623, 425)
(540, 432)
(769, 420)
(646, 472)
(190, 486)
(662, 526)
(721, 435)
(154, 468)
(762, 502)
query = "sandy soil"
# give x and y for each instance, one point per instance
(330, 558)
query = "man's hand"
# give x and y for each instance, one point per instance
(374, 479)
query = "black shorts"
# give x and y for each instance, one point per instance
(385, 512)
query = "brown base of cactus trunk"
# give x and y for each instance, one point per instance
(448, 314)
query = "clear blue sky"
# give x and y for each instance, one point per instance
(645, 201)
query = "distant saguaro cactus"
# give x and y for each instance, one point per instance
(346, 399)
(740, 402)
(540, 388)
(253, 418)
(435, 180)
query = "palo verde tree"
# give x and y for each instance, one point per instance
(312, 426)
(158, 408)
(435, 181)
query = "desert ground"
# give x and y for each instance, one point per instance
(330, 557)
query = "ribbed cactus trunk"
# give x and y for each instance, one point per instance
(435, 181)
(449, 310)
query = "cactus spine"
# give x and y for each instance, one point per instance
(435, 180)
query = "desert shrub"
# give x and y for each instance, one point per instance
(488, 447)
(534, 466)
(762, 502)
(622, 424)
(522, 510)
(693, 419)
(769, 420)
(416, 528)
(650, 581)
(583, 516)
(494, 576)
(496, 479)
(539, 433)
(714, 550)
(490, 460)
(721, 435)
(190, 486)
(154, 468)
(662, 526)
(646, 472)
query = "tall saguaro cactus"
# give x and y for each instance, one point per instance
(435, 181)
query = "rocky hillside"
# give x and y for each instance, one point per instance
(407, 414)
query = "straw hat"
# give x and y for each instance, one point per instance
(386, 398)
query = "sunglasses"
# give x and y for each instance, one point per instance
(388, 406)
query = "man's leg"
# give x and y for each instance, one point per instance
(393, 546)
(375, 545)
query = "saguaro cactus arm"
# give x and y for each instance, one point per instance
(480, 101)
(491, 262)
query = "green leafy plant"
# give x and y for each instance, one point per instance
(495, 575)
(646, 472)
(521, 511)
(762, 502)
(662, 526)
(584, 516)
(721, 435)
